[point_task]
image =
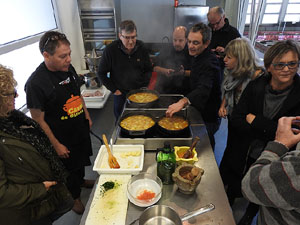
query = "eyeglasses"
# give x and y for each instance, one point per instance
(216, 24)
(290, 65)
(54, 37)
(129, 37)
(15, 94)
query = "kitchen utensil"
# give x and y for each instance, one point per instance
(144, 184)
(189, 153)
(179, 152)
(173, 133)
(162, 214)
(136, 133)
(187, 177)
(142, 105)
(112, 161)
(109, 207)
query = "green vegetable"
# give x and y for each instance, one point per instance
(108, 185)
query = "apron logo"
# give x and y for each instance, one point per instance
(73, 107)
(64, 82)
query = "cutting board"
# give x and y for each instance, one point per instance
(110, 207)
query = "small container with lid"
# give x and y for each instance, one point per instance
(166, 163)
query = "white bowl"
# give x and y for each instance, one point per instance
(144, 182)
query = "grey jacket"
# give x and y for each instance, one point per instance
(273, 183)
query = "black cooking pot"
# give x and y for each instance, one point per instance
(173, 133)
(142, 105)
(137, 133)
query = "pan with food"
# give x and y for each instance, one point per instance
(174, 126)
(142, 98)
(137, 124)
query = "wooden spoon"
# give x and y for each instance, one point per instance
(112, 161)
(188, 153)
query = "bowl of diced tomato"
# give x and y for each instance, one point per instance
(144, 189)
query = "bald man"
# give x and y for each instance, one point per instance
(222, 32)
(173, 64)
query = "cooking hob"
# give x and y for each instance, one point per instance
(156, 138)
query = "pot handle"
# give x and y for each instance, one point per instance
(197, 212)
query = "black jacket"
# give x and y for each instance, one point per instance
(252, 101)
(223, 36)
(126, 72)
(205, 85)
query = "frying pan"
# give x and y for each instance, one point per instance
(162, 214)
(136, 133)
(142, 105)
(173, 133)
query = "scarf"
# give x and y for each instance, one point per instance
(230, 84)
(20, 126)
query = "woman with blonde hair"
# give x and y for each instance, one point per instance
(32, 177)
(241, 66)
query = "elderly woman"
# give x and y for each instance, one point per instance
(263, 102)
(32, 189)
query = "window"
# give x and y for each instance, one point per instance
(24, 23)
(277, 9)
(293, 11)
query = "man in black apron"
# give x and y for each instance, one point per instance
(54, 100)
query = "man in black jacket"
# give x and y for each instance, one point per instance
(205, 91)
(125, 65)
(222, 32)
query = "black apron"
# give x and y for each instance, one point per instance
(65, 116)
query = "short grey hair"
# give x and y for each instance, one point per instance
(217, 9)
(128, 26)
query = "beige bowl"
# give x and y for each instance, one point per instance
(185, 179)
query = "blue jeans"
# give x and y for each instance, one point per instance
(119, 101)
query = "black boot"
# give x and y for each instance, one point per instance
(250, 213)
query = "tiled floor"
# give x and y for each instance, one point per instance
(103, 122)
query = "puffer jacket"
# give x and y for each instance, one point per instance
(23, 196)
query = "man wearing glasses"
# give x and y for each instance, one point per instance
(125, 65)
(54, 100)
(222, 32)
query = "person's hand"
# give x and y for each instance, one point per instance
(250, 117)
(168, 72)
(285, 134)
(222, 112)
(48, 184)
(220, 49)
(176, 107)
(117, 92)
(62, 151)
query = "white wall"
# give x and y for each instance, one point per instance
(69, 20)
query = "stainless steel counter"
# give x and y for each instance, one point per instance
(210, 189)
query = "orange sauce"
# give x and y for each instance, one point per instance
(146, 195)
(180, 155)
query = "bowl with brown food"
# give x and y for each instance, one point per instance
(179, 153)
(142, 98)
(187, 177)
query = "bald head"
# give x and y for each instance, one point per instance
(216, 18)
(179, 38)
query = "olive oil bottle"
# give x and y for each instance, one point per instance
(166, 163)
